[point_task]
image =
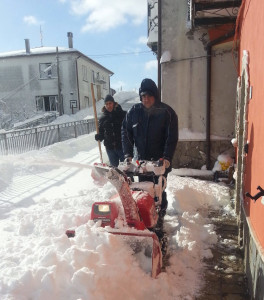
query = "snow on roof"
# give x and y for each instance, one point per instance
(48, 50)
(37, 50)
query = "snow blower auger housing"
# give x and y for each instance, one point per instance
(141, 202)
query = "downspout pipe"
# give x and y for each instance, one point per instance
(77, 81)
(159, 47)
(209, 89)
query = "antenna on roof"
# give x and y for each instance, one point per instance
(41, 36)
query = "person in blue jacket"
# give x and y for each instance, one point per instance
(150, 128)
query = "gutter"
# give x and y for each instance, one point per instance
(208, 91)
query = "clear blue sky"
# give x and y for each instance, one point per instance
(111, 32)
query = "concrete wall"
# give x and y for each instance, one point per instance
(192, 154)
(254, 165)
(100, 90)
(251, 24)
(184, 76)
(253, 260)
(20, 83)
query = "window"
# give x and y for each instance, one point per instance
(104, 84)
(86, 101)
(93, 77)
(47, 70)
(84, 73)
(46, 103)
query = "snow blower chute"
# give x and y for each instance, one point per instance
(141, 202)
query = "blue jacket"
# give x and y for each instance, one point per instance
(154, 132)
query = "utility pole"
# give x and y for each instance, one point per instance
(59, 88)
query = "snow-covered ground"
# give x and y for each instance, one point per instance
(45, 192)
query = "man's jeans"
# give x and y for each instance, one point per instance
(115, 155)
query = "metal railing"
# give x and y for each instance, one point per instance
(23, 140)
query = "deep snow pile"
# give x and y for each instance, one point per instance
(88, 112)
(45, 192)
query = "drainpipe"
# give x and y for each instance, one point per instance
(77, 81)
(159, 47)
(60, 108)
(208, 91)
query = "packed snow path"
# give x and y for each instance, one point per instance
(43, 193)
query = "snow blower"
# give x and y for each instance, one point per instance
(141, 202)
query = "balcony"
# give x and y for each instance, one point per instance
(204, 13)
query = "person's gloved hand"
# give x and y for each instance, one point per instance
(128, 160)
(166, 163)
(98, 137)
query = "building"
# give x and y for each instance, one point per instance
(197, 76)
(249, 133)
(211, 72)
(48, 79)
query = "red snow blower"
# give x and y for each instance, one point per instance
(141, 203)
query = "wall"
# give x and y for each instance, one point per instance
(85, 85)
(252, 29)
(20, 83)
(253, 260)
(254, 172)
(184, 77)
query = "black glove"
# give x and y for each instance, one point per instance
(98, 137)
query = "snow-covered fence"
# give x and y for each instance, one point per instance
(47, 118)
(23, 140)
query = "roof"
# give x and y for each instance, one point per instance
(49, 50)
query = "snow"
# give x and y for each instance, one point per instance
(88, 113)
(37, 50)
(165, 57)
(188, 135)
(43, 193)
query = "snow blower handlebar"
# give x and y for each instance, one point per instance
(143, 167)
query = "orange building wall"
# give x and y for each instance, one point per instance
(252, 40)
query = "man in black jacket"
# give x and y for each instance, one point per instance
(151, 127)
(110, 130)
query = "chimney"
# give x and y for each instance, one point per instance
(27, 46)
(70, 35)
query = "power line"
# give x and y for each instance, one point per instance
(118, 54)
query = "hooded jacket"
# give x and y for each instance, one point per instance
(154, 131)
(110, 127)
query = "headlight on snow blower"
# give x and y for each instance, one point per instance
(107, 212)
(104, 208)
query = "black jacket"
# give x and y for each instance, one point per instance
(110, 127)
(154, 131)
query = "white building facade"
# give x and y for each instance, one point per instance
(49, 79)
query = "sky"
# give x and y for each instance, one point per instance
(113, 33)
(43, 193)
